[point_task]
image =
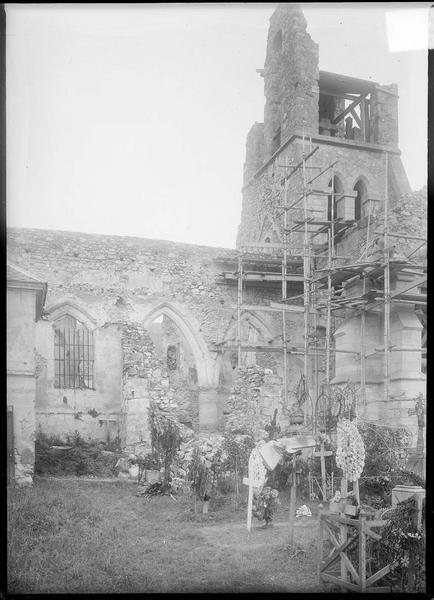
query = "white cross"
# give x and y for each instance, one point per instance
(322, 454)
(256, 479)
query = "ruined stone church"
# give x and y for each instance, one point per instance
(98, 326)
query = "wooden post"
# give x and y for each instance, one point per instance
(362, 552)
(319, 546)
(411, 573)
(356, 491)
(237, 489)
(323, 473)
(251, 483)
(386, 333)
(343, 533)
(284, 294)
(292, 500)
(363, 118)
(411, 559)
(239, 303)
(322, 454)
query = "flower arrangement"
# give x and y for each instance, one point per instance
(209, 452)
(337, 497)
(350, 452)
(323, 438)
(303, 511)
(265, 504)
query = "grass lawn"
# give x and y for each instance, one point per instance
(83, 537)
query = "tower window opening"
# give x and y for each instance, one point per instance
(338, 190)
(327, 109)
(362, 195)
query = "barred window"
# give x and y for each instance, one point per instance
(73, 354)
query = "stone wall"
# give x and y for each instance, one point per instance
(408, 215)
(290, 78)
(21, 379)
(94, 412)
(255, 394)
(264, 193)
(384, 117)
(118, 287)
(292, 106)
(145, 379)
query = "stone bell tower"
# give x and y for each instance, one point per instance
(349, 126)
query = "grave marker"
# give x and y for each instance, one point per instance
(256, 479)
(322, 454)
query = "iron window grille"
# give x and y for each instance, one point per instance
(73, 356)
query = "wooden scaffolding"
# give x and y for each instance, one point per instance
(321, 287)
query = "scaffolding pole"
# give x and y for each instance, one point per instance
(329, 312)
(284, 293)
(239, 304)
(306, 275)
(360, 304)
(386, 284)
(362, 347)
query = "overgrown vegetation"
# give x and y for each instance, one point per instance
(166, 439)
(237, 450)
(386, 451)
(404, 545)
(74, 456)
(200, 477)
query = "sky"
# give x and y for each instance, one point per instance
(132, 119)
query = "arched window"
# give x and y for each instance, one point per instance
(338, 189)
(277, 41)
(73, 354)
(362, 195)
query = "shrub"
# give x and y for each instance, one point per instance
(166, 438)
(82, 458)
(403, 545)
(385, 459)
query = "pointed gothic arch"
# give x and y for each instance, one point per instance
(361, 188)
(256, 321)
(74, 346)
(268, 233)
(73, 309)
(192, 337)
(332, 201)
